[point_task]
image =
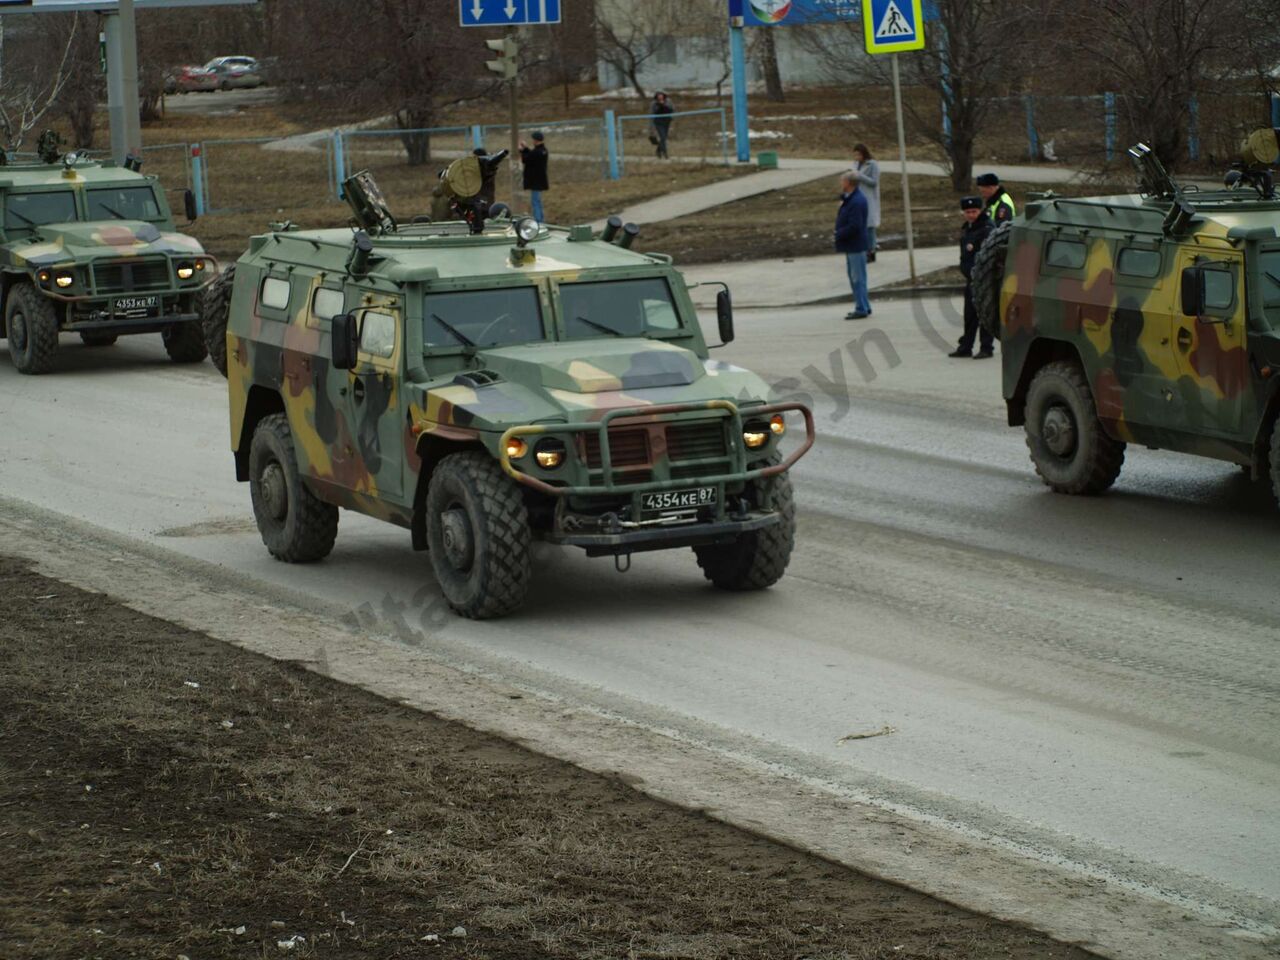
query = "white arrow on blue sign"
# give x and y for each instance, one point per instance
(507, 13)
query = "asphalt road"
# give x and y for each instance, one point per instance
(1091, 682)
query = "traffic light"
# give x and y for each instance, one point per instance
(507, 50)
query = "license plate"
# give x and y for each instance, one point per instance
(678, 501)
(135, 304)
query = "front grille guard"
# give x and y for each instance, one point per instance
(175, 287)
(737, 449)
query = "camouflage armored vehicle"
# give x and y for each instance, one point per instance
(487, 383)
(1150, 319)
(91, 248)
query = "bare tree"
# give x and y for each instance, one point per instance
(766, 52)
(630, 35)
(28, 93)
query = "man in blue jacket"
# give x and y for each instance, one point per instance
(851, 240)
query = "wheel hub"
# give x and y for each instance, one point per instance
(275, 493)
(459, 541)
(18, 332)
(1059, 431)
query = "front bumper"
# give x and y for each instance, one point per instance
(131, 325)
(631, 538)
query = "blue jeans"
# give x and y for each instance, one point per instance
(871, 239)
(536, 197)
(857, 266)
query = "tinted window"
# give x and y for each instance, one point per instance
(275, 293)
(326, 304)
(482, 318)
(122, 203)
(1219, 289)
(1136, 262)
(1269, 264)
(33, 209)
(1069, 254)
(618, 308)
(378, 334)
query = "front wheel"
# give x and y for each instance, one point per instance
(215, 308)
(478, 535)
(988, 278)
(31, 325)
(758, 559)
(296, 525)
(1070, 450)
(184, 343)
(1274, 461)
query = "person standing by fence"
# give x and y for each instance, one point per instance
(534, 161)
(867, 169)
(660, 111)
(851, 240)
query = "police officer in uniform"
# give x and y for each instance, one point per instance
(977, 227)
(999, 204)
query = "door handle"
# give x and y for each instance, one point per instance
(357, 390)
(1184, 338)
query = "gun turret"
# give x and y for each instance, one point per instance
(1259, 152)
(467, 188)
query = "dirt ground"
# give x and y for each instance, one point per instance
(165, 795)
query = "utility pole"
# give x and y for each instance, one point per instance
(122, 82)
(507, 66)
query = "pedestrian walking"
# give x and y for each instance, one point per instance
(851, 240)
(977, 227)
(999, 205)
(660, 124)
(534, 160)
(867, 169)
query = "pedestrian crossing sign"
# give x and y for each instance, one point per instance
(893, 26)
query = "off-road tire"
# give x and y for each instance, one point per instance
(93, 339)
(31, 326)
(988, 278)
(302, 528)
(758, 559)
(1089, 461)
(215, 308)
(478, 536)
(184, 343)
(1274, 461)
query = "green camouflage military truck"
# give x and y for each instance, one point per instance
(91, 248)
(1150, 319)
(487, 383)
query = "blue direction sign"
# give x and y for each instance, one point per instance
(507, 13)
(893, 26)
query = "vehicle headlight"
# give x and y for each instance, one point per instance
(527, 229)
(64, 278)
(778, 424)
(516, 448)
(43, 277)
(186, 270)
(755, 436)
(549, 453)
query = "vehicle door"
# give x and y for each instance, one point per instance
(1142, 320)
(1214, 390)
(369, 454)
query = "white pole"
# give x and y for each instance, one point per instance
(122, 82)
(902, 158)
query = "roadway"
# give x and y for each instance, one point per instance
(1092, 684)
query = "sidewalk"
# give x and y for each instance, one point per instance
(800, 280)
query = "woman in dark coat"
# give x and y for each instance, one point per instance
(661, 109)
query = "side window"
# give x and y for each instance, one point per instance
(1219, 289)
(1067, 254)
(1136, 262)
(326, 304)
(378, 334)
(275, 293)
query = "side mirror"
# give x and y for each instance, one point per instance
(189, 205)
(344, 337)
(1193, 291)
(724, 314)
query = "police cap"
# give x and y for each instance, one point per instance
(970, 203)
(988, 180)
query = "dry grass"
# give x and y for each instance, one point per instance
(144, 816)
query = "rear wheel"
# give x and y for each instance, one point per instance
(758, 559)
(215, 308)
(184, 343)
(296, 525)
(94, 339)
(1275, 461)
(988, 278)
(1070, 450)
(478, 536)
(31, 325)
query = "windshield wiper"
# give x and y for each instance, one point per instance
(600, 326)
(23, 217)
(115, 213)
(1272, 277)
(461, 337)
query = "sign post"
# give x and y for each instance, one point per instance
(890, 27)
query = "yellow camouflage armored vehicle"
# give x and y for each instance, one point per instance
(91, 248)
(490, 381)
(1151, 319)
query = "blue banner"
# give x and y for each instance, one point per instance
(790, 13)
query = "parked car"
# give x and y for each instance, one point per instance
(190, 78)
(235, 72)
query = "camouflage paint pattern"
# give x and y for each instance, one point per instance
(364, 437)
(1101, 278)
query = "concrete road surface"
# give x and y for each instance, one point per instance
(1089, 684)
